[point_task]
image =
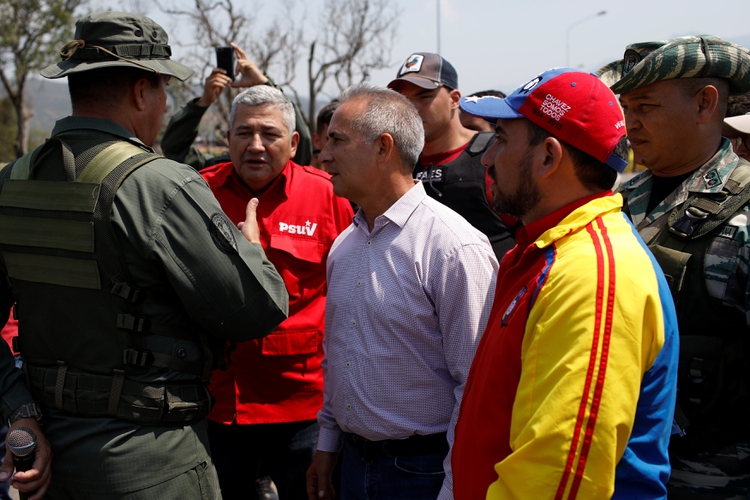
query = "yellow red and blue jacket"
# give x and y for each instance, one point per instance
(571, 393)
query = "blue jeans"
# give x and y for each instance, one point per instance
(390, 478)
(244, 453)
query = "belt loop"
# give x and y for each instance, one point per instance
(62, 369)
(114, 394)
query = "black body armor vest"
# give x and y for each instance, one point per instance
(461, 186)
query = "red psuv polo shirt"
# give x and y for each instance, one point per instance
(278, 378)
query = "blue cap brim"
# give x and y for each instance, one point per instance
(489, 108)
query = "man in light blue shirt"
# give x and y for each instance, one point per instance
(410, 287)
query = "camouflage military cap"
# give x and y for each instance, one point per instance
(685, 57)
(107, 39)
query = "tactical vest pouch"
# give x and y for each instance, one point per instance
(88, 395)
(701, 373)
(674, 264)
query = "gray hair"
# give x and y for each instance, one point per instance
(261, 95)
(388, 112)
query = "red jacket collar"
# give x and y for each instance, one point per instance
(280, 185)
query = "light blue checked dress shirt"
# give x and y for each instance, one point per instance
(407, 305)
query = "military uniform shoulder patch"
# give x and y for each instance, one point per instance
(712, 178)
(221, 233)
(727, 232)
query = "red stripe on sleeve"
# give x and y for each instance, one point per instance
(595, 404)
(589, 372)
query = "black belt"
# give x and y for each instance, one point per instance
(370, 451)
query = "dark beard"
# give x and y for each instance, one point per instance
(525, 197)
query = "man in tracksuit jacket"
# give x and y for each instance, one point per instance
(572, 390)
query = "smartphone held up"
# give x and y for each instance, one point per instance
(226, 59)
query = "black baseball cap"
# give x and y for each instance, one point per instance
(427, 70)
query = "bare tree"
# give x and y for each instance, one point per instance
(354, 38)
(349, 40)
(215, 23)
(31, 33)
(221, 22)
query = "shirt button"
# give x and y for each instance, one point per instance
(354, 323)
(348, 407)
(369, 242)
(348, 364)
(359, 283)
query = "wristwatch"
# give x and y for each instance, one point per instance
(30, 410)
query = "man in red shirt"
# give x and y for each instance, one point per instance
(264, 420)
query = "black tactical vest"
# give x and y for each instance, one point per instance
(81, 333)
(461, 186)
(713, 389)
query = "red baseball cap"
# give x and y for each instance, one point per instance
(574, 106)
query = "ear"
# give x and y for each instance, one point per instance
(295, 142)
(707, 100)
(455, 96)
(229, 137)
(552, 153)
(315, 139)
(386, 147)
(139, 93)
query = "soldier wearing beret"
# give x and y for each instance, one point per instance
(691, 207)
(128, 277)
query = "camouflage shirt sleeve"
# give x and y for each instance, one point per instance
(180, 134)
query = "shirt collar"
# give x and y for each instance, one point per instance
(399, 212)
(99, 124)
(709, 178)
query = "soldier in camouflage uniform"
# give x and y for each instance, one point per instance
(127, 276)
(691, 207)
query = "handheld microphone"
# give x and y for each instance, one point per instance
(22, 443)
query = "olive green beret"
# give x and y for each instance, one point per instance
(685, 57)
(108, 39)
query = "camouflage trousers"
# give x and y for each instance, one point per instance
(712, 476)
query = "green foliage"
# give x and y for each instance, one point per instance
(33, 31)
(31, 35)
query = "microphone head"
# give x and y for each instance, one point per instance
(21, 441)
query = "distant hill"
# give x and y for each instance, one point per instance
(49, 101)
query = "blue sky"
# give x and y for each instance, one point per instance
(502, 44)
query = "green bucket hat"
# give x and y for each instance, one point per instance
(107, 39)
(685, 57)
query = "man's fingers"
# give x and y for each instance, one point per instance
(37, 478)
(7, 468)
(218, 80)
(237, 50)
(319, 484)
(249, 228)
(251, 210)
(315, 487)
